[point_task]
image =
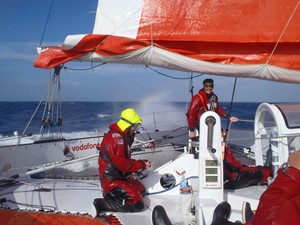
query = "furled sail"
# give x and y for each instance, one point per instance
(237, 38)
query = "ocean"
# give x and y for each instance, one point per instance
(86, 118)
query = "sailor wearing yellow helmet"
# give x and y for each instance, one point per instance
(129, 119)
(121, 192)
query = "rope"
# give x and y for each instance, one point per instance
(230, 107)
(5, 166)
(49, 103)
(163, 74)
(191, 85)
(286, 25)
(59, 109)
(183, 78)
(89, 68)
(249, 121)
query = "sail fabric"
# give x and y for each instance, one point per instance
(237, 38)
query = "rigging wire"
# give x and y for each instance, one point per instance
(225, 137)
(81, 69)
(191, 90)
(59, 108)
(156, 71)
(50, 112)
(49, 104)
(230, 107)
(45, 27)
(283, 31)
(6, 165)
(191, 85)
(177, 78)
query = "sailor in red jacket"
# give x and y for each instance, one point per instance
(235, 175)
(121, 191)
(238, 176)
(204, 100)
(278, 205)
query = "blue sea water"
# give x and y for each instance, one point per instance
(97, 116)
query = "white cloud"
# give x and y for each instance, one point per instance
(18, 51)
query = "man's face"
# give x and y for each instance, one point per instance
(208, 87)
(133, 129)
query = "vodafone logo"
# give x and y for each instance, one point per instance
(85, 147)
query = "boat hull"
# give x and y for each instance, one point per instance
(16, 160)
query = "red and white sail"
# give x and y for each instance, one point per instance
(237, 38)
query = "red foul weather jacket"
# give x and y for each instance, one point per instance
(238, 176)
(115, 162)
(200, 104)
(280, 203)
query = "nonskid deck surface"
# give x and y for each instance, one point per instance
(66, 196)
(88, 169)
(17, 217)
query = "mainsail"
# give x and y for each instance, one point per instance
(237, 38)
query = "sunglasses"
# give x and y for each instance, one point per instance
(209, 85)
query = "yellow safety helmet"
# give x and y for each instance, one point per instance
(128, 118)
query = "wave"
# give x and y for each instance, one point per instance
(103, 115)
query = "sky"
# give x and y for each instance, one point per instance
(23, 28)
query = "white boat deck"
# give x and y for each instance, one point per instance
(76, 196)
(249, 194)
(172, 205)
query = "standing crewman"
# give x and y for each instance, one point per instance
(204, 100)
